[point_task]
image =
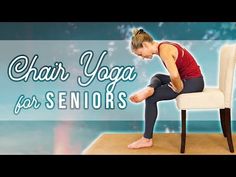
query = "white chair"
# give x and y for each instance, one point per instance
(213, 98)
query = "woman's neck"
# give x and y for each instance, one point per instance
(155, 48)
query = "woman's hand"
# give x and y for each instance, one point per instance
(171, 85)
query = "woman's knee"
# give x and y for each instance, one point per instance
(163, 78)
(155, 82)
(159, 76)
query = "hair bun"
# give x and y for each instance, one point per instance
(141, 30)
(136, 31)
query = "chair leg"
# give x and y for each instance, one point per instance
(183, 134)
(228, 129)
(222, 121)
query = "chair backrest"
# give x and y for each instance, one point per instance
(226, 75)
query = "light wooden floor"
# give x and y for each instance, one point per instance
(166, 144)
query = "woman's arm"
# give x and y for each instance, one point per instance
(168, 54)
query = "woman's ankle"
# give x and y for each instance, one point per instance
(147, 139)
(150, 91)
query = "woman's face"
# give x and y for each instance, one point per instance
(144, 52)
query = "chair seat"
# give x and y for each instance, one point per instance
(209, 98)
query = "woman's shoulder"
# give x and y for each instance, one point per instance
(165, 47)
(174, 43)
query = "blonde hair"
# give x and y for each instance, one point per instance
(138, 37)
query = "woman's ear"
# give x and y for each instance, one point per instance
(145, 44)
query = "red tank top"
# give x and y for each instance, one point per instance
(186, 64)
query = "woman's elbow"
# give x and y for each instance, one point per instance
(175, 77)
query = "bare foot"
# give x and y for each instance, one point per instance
(141, 143)
(142, 95)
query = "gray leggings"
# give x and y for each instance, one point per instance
(163, 92)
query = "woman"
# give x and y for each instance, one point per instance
(184, 77)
